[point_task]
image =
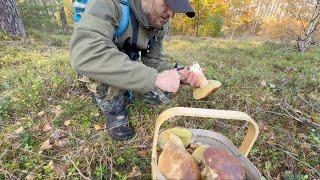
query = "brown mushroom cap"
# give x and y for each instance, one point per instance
(176, 163)
(205, 91)
(220, 164)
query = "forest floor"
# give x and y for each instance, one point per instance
(49, 126)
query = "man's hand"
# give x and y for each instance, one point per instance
(188, 77)
(168, 80)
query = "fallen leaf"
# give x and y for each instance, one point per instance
(272, 86)
(263, 83)
(142, 153)
(136, 171)
(40, 113)
(30, 177)
(58, 169)
(61, 142)
(58, 110)
(67, 123)
(19, 130)
(16, 145)
(45, 145)
(97, 127)
(57, 134)
(46, 128)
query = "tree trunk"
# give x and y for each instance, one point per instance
(10, 20)
(63, 20)
(305, 42)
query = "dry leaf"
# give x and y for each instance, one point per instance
(16, 145)
(97, 127)
(58, 169)
(58, 110)
(19, 130)
(46, 128)
(57, 134)
(263, 83)
(45, 145)
(67, 123)
(142, 153)
(61, 142)
(272, 86)
(30, 177)
(41, 113)
(136, 171)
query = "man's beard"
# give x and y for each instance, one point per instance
(153, 21)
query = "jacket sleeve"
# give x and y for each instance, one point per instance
(94, 54)
(154, 56)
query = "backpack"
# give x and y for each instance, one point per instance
(80, 5)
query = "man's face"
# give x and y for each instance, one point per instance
(158, 13)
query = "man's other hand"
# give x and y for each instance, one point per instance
(168, 81)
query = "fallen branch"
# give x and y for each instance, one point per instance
(294, 156)
(296, 115)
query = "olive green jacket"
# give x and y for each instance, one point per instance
(95, 54)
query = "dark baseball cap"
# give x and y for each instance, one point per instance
(181, 6)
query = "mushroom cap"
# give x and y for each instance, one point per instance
(176, 163)
(184, 135)
(197, 153)
(205, 91)
(222, 165)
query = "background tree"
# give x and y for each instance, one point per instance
(10, 20)
(305, 41)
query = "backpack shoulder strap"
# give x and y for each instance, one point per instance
(124, 20)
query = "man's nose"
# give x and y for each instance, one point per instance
(170, 12)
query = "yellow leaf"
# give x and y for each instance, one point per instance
(97, 127)
(45, 145)
(58, 110)
(136, 171)
(19, 130)
(40, 113)
(67, 123)
(30, 177)
(46, 128)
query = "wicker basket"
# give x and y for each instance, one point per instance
(211, 138)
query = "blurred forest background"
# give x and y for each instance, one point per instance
(275, 20)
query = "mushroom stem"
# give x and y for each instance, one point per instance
(198, 71)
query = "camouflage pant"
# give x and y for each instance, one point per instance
(112, 100)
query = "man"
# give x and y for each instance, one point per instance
(112, 62)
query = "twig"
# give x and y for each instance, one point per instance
(294, 156)
(77, 168)
(39, 154)
(308, 103)
(298, 118)
(3, 153)
(9, 174)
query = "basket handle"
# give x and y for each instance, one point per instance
(246, 145)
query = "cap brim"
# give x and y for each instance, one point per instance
(181, 6)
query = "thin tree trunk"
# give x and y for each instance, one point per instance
(63, 20)
(305, 42)
(10, 20)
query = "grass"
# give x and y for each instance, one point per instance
(40, 97)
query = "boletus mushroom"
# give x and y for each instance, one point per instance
(206, 86)
(183, 133)
(221, 165)
(176, 163)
